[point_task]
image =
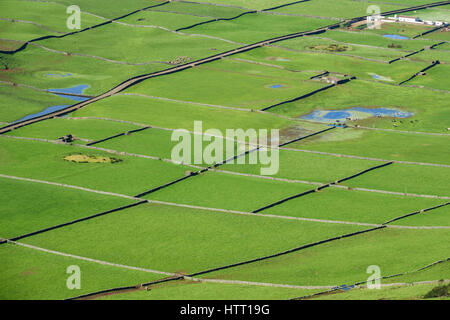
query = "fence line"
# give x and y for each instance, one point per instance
(360, 284)
(117, 135)
(319, 188)
(79, 31)
(435, 63)
(239, 15)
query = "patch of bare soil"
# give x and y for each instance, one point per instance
(83, 158)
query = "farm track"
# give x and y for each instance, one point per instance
(138, 79)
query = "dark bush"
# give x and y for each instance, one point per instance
(442, 290)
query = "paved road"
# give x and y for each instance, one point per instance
(135, 80)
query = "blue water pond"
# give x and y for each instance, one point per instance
(276, 86)
(354, 113)
(395, 36)
(60, 75)
(73, 90)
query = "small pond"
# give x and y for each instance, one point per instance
(73, 90)
(395, 37)
(330, 116)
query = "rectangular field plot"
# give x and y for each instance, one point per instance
(437, 271)
(10, 45)
(158, 143)
(352, 206)
(408, 30)
(108, 9)
(306, 166)
(175, 15)
(252, 4)
(413, 292)
(346, 261)
(34, 13)
(28, 206)
(256, 27)
(243, 85)
(26, 101)
(322, 45)
(440, 13)
(16, 33)
(336, 9)
(56, 70)
(406, 178)
(137, 45)
(436, 217)
(435, 78)
(355, 66)
(381, 144)
(425, 110)
(199, 9)
(374, 39)
(224, 191)
(437, 36)
(182, 240)
(193, 290)
(45, 161)
(438, 53)
(32, 274)
(169, 20)
(178, 115)
(86, 130)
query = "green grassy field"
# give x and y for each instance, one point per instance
(393, 251)
(204, 221)
(154, 237)
(187, 290)
(45, 161)
(86, 129)
(27, 101)
(31, 272)
(22, 212)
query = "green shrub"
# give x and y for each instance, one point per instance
(439, 291)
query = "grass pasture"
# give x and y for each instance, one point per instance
(382, 144)
(27, 101)
(188, 223)
(158, 236)
(22, 211)
(392, 250)
(29, 272)
(45, 161)
(184, 290)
